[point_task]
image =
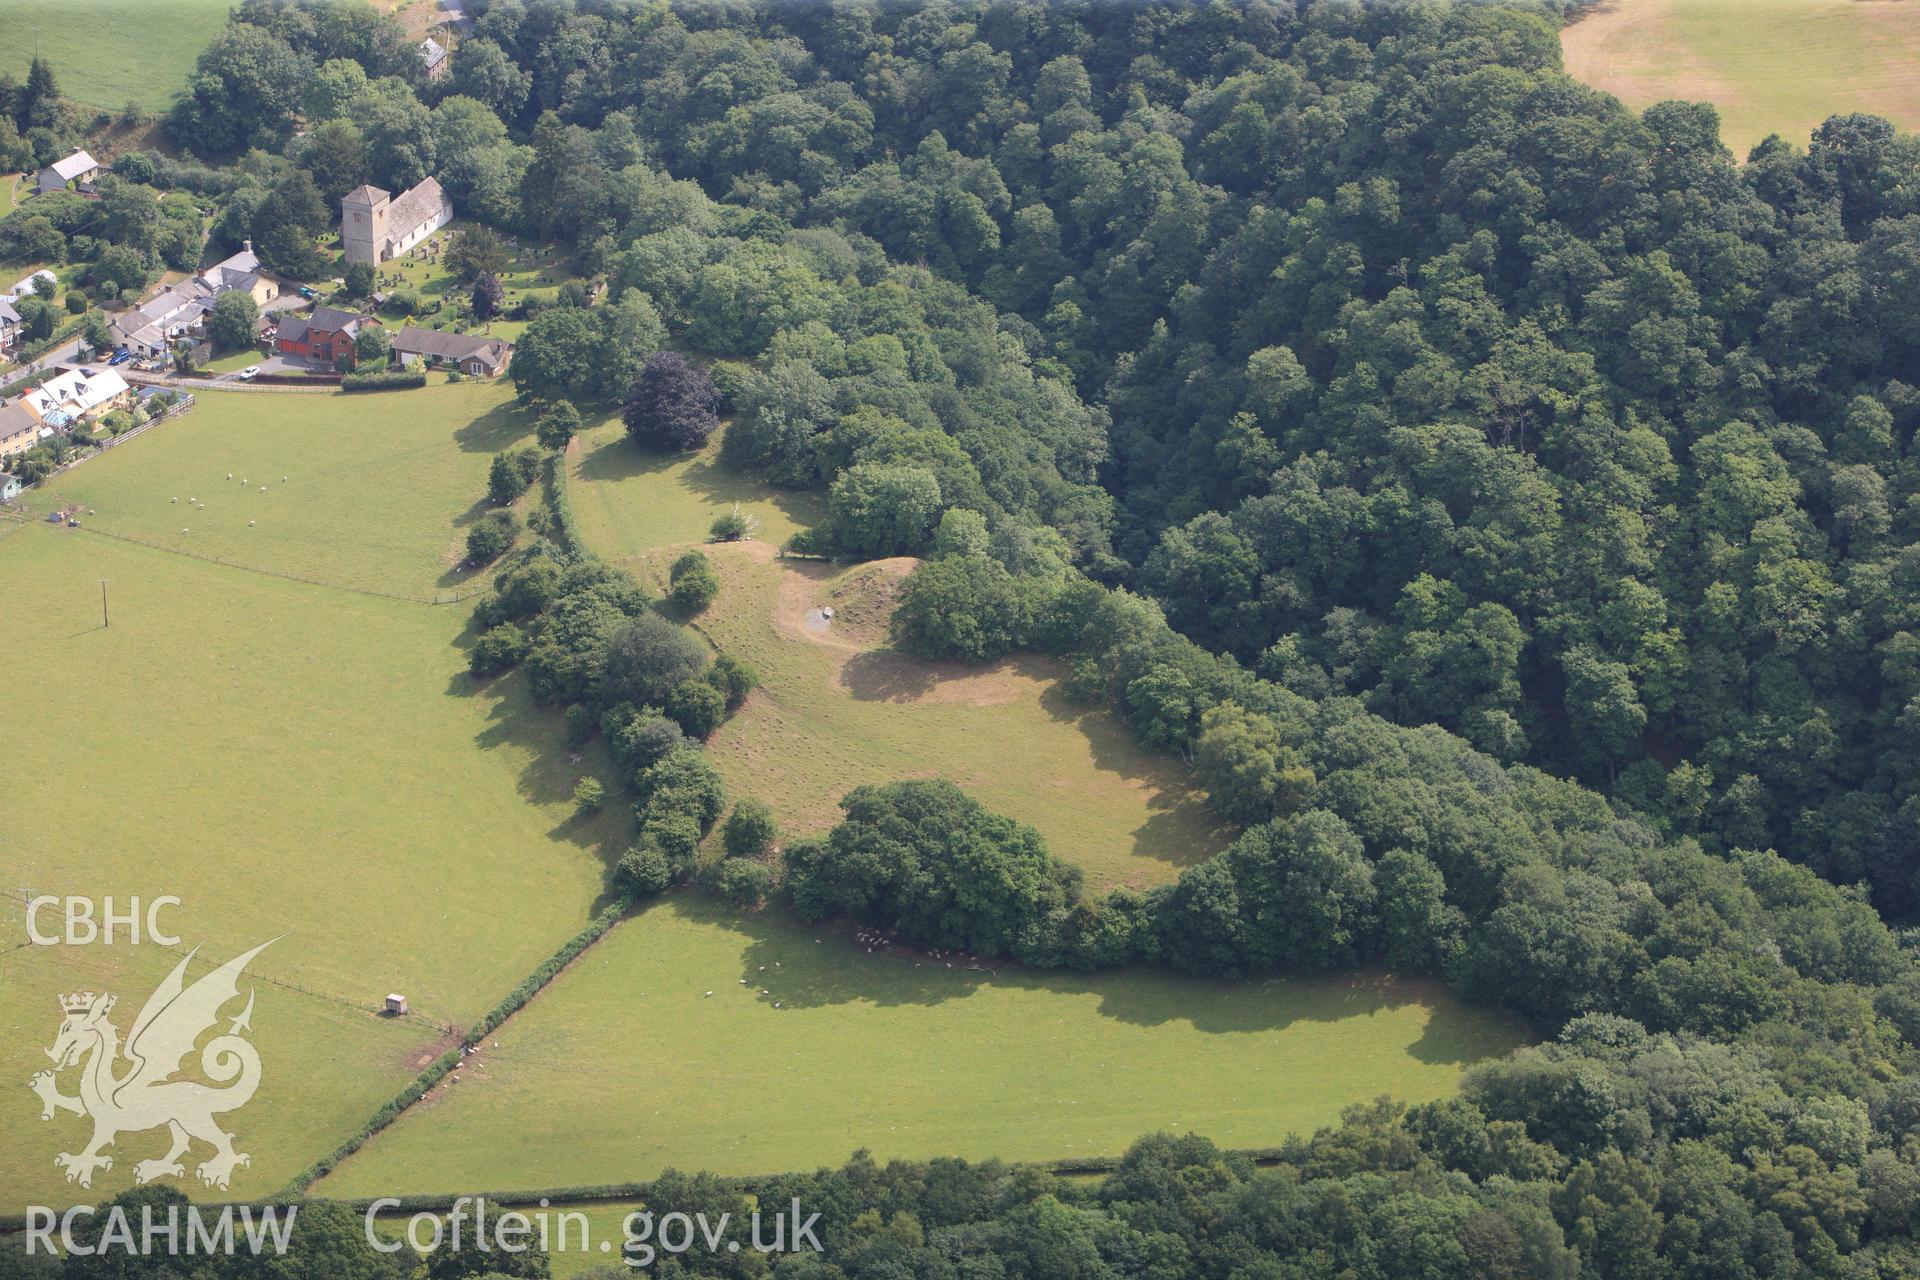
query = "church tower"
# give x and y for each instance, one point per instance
(363, 224)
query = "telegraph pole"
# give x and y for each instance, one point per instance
(103, 602)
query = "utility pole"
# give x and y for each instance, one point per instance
(103, 602)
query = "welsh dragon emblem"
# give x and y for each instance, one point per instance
(144, 1095)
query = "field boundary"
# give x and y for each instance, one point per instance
(422, 1084)
(436, 599)
(613, 1192)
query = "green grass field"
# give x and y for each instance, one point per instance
(837, 708)
(377, 485)
(106, 53)
(286, 758)
(1770, 66)
(630, 502)
(627, 1065)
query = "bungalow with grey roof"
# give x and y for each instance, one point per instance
(470, 353)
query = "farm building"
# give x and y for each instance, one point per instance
(78, 169)
(375, 226)
(470, 353)
(325, 333)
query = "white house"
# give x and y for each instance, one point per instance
(149, 332)
(77, 168)
(76, 395)
(375, 226)
(9, 326)
(9, 487)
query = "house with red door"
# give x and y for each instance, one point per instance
(324, 334)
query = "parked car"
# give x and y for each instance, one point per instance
(308, 293)
(247, 374)
(120, 357)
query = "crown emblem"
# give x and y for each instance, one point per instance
(79, 1002)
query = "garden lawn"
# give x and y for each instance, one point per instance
(288, 759)
(1769, 66)
(691, 1037)
(378, 485)
(106, 53)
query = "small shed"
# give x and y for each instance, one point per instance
(396, 1004)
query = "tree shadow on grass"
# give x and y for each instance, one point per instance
(550, 773)
(702, 474)
(883, 675)
(494, 430)
(1183, 829)
(783, 958)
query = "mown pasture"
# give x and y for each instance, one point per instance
(1769, 66)
(694, 1037)
(285, 757)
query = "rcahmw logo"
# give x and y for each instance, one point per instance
(143, 1094)
(185, 1230)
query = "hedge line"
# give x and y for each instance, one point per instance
(586, 1193)
(560, 504)
(384, 380)
(446, 1062)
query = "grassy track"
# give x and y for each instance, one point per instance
(1770, 66)
(286, 758)
(627, 1066)
(106, 53)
